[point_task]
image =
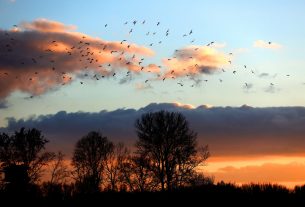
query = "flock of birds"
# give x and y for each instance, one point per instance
(88, 57)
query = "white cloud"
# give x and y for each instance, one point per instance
(266, 45)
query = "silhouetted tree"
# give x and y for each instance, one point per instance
(59, 169)
(89, 158)
(23, 157)
(113, 167)
(167, 142)
(137, 174)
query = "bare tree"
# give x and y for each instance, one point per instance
(137, 174)
(59, 170)
(165, 138)
(89, 158)
(113, 166)
(24, 152)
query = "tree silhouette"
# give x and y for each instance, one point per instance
(89, 158)
(137, 174)
(113, 167)
(22, 157)
(59, 169)
(166, 140)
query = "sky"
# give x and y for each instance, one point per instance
(203, 55)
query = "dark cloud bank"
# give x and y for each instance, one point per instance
(229, 131)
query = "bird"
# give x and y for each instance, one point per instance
(126, 23)
(130, 31)
(234, 71)
(81, 82)
(269, 43)
(158, 23)
(271, 84)
(180, 84)
(245, 66)
(190, 32)
(105, 25)
(223, 70)
(134, 22)
(143, 22)
(113, 74)
(146, 81)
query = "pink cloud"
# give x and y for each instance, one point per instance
(194, 60)
(42, 55)
(266, 45)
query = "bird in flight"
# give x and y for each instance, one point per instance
(158, 23)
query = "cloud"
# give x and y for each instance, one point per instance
(267, 45)
(247, 87)
(271, 89)
(265, 173)
(229, 131)
(266, 75)
(44, 25)
(3, 104)
(194, 60)
(43, 55)
(142, 86)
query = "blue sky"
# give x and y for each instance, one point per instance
(237, 24)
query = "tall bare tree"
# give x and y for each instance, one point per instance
(89, 158)
(59, 169)
(167, 141)
(137, 174)
(113, 166)
(24, 152)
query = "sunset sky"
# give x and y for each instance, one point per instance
(235, 69)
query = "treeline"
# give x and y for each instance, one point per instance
(162, 167)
